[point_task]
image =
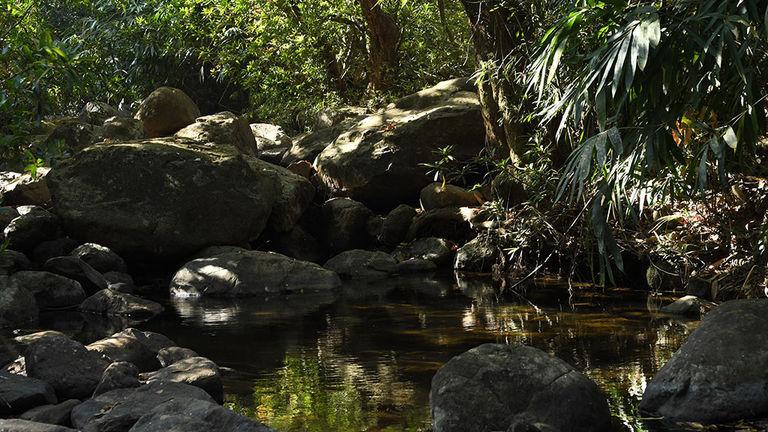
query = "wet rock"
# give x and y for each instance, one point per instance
(96, 113)
(66, 365)
(362, 264)
(33, 226)
(17, 304)
(718, 375)
(170, 355)
(479, 255)
(122, 129)
(101, 258)
(415, 265)
(345, 224)
(110, 302)
(494, 386)
(195, 416)
(51, 291)
(26, 189)
(119, 410)
(19, 425)
(12, 261)
(689, 306)
(224, 128)
(183, 197)
(57, 414)
(118, 375)
(239, 273)
(396, 224)
(439, 251)
(165, 111)
(19, 393)
(446, 223)
(76, 269)
(439, 195)
(122, 347)
(196, 371)
(380, 160)
(53, 248)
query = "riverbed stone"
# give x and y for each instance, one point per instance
(27, 189)
(19, 425)
(33, 226)
(362, 264)
(437, 250)
(196, 371)
(76, 269)
(690, 306)
(719, 374)
(17, 304)
(118, 375)
(495, 386)
(294, 194)
(224, 128)
(165, 111)
(111, 302)
(170, 355)
(195, 416)
(478, 255)
(380, 161)
(101, 258)
(151, 340)
(242, 273)
(54, 414)
(122, 347)
(415, 265)
(51, 291)
(13, 261)
(19, 393)
(66, 365)
(345, 224)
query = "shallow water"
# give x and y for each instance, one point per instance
(363, 360)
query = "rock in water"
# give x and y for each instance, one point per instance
(502, 387)
(362, 264)
(196, 371)
(242, 273)
(66, 365)
(161, 198)
(379, 161)
(110, 302)
(223, 128)
(165, 111)
(479, 255)
(719, 374)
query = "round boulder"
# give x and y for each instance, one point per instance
(165, 111)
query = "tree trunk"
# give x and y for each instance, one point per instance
(384, 35)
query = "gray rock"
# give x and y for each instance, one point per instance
(32, 337)
(224, 128)
(19, 425)
(118, 277)
(396, 225)
(74, 134)
(151, 340)
(19, 393)
(294, 194)
(31, 227)
(110, 302)
(345, 225)
(66, 365)
(689, 305)
(494, 386)
(101, 258)
(333, 116)
(12, 261)
(26, 189)
(195, 416)
(76, 269)
(96, 113)
(439, 251)
(17, 304)
(165, 111)
(170, 355)
(57, 414)
(7, 214)
(240, 273)
(51, 291)
(446, 223)
(479, 255)
(362, 264)
(196, 371)
(122, 129)
(699, 287)
(124, 347)
(719, 374)
(309, 146)
(118, 375)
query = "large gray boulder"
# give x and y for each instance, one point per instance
(380, 160)
(196, 371)
(235, 272)
(165, 111)
(51, 291)
(195, 416)
(294, 194)
(118, 375)
(124, 347)
(19, 393)
(309, 146)
(224, 128)
(719, 374)
(66, 365)
(498, 387)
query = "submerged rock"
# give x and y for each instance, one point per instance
(110, 302)
(239, 273)
(719, 374)
(518, 388)
(362, 264)
(165, 111)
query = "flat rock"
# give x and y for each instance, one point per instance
(196, 371)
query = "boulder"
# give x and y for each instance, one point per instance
(362, 264)
(7, 214)
(493, 387)
(439, 251)
(96, 113)
(66, 365)
(53, 248)
(125, 348)
(380, 161)
(196, 371)
(32, 337)
(51, 291)
(699, 287)
(120, 282)
(19, 425)
(151, 340)
(689, 305)
(119, 410)
(162, 198)
(396, 225)
(122, 129)
(447, 223)
(17, 304)
(101, 258)
(118, 375)
(334, 116)
(719, 374)
(27, 190)
(271, 141)
(165, 111)
(345, 224)
(74, 268)
(57, 414)
(73, 134)
(115, 303)
(33, 226)
(19, 393)
(170, 355)
(309, 146)
(294, 194)
(239, 273)
(12, 261)
(479, 255)
(195, 416)
(224, 128)
(439, 195)
(415, 265)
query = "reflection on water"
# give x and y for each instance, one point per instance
(363, 360)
